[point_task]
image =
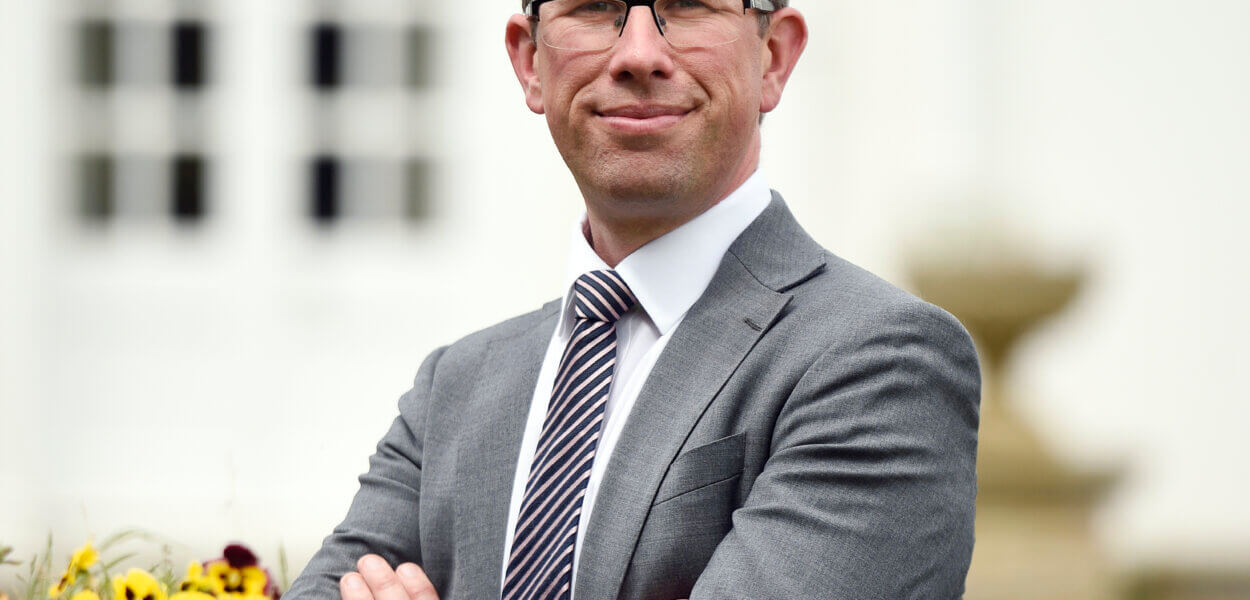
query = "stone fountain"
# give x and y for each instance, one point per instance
(1033, 537)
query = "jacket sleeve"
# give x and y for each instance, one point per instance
(869, 489)
(383, 515)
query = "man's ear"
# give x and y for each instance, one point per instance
(522, 51)
(783, 44)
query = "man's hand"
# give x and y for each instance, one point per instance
(376, 581)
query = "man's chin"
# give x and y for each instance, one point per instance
(640, 181)
(635, 167)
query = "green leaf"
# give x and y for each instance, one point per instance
(40, 571)
(116, 561)
(283, 569)
(119, 537)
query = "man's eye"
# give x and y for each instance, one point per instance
(689, 6)
(597, 7)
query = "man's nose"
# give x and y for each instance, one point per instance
(641, 52)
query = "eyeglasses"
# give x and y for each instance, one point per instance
(589, 25)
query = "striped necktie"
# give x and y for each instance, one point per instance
(541, 563)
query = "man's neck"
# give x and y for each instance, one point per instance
(615, 236)
(613, 241)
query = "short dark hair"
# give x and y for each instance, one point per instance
(766, 19)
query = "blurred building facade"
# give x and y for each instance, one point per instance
(229, 231)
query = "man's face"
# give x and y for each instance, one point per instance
(645, 124)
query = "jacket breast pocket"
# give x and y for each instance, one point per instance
(702, 466)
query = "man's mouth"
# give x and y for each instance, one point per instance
(642, 118)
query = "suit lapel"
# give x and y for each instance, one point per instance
(741, 302)
(486, 460)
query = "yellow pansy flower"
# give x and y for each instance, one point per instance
(64, 582)
(196, 581)
(237, 576)
(137, 585)
(82, 559)
(192, 595)
(237, 581)
(85, 595)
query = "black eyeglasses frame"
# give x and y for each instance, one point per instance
(765, 6)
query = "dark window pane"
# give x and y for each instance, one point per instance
(95, 186)
(417, 189)
(95, 59)
(190, 55)
(419, 62)
(324, 201)
(326, 62)
(188, 187)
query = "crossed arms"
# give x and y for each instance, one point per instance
(867, 492)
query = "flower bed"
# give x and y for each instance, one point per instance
(93, 574)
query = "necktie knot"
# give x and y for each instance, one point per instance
(602, 296)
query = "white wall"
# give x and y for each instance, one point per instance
(1126, 126)
(229, 384)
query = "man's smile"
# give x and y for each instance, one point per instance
(641, 119)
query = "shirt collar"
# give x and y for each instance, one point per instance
(668, 274)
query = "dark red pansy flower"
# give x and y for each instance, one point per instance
(239, 556)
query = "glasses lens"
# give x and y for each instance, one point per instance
(581, 24)
(596, 25)
(700, 23)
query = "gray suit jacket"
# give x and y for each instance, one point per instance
(809, 431)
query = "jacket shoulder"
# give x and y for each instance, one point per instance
(472, 346)
(853, 302)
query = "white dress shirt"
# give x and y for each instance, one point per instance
(667, 275)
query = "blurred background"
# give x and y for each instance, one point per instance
(228, 230)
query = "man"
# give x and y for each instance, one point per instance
(717, 407)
